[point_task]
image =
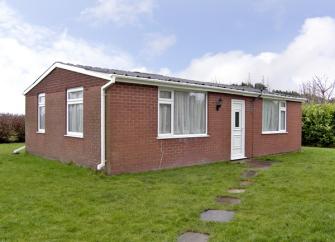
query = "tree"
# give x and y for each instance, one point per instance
(319, 90)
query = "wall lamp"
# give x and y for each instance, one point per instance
(218, 104)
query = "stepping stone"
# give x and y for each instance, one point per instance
(193, 237)
(249, 174)
(217, 216)
(233, 190)
(245, 183)
(228, 200)
(258, 164)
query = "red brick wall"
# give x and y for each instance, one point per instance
(53, 144)
(131, 127)
(277, 143)
(132, 143)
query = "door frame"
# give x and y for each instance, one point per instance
(239, 101)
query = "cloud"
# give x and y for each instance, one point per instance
(27, 50)
(311, 52)
(157, 44)
(120, 12)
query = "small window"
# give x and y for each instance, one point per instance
(75, 111)
(237, 119)
(165, 94)
(41, 113)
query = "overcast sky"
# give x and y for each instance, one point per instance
(283, 42)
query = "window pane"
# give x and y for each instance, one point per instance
(282, 120)
(237, 119)
(41, 99)
(282, 104)
(270, 115)
(75, 95)
(165, 118)
(41, 118)
(75, 117)
(189, 113)
(165, 94)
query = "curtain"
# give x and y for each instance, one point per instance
(189, 113)
(75, 118)
(42, 117)
(165, 118)
(270, 115)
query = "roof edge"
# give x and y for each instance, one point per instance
(69, 68)
(169, 84)
(157, 82)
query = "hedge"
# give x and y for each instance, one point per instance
(318, 125)
(11, 128)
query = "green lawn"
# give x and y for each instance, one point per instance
(42, 200)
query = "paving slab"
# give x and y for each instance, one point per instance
(228, 200)
(193, 237)
(249, 174)
(245, 183)
(235, 190)
(217, 216)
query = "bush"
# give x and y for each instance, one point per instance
(11, 128)
(318, 125)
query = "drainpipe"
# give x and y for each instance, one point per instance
(103, 123)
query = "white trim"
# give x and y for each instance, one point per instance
(161, 83)
(182, 136)
(240, 101)
(171, 102)
(69, 68)
(40, 105)
(74, 135)
(102, 163)
(274, 132)
(199, 87)
(74, 101)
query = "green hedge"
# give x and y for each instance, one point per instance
(318, 125)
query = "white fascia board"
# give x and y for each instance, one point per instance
(183, 85)
(279, 97)
(69, 68)
(191, 86)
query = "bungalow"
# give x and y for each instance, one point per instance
(124, 121)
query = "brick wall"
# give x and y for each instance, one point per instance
(53, 144)
(131, 127)
(132, 143)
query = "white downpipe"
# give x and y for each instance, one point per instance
(18, 150)
(103, 123)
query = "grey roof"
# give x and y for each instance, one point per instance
(162, 77)
(185, 81)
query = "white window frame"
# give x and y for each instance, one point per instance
(40, 105)
(279, 131)
(171, 102)
(73, 101)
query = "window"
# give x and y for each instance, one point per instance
(75, 112)
(182, 113)
(274, 116)
(41, 113)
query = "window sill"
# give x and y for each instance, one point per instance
(275, 132)
(183, 136)
(79, 136)
(40, 132)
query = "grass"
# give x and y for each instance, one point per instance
(42, 200)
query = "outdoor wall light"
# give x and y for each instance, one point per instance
(218, 104)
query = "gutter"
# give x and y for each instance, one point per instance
(192, 86)
(103, 123)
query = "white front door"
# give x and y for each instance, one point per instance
(237, 129)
